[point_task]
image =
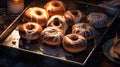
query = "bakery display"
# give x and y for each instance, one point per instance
(54, 24)
(74, 43)
(84, 29)
(37, 14)
(97, 19)
(64, 35)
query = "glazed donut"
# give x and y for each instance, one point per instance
(58, 21)
(84, 29)
(115, 50)
(55, 7)
(36, 14)
(98, 20)
(74, 43)
(30, 30)
(52, 36)
(73, 16)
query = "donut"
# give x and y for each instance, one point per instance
(98, 20)
(73, 16)
(117, 47)
(58, 21)
(74, 43)
(115, 50)
(37, 14)
(52, 36)
(30, 30)
(84, 29)
(55, 7)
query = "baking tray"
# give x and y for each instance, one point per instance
(5, 21)
(59, 53)
(8, 19)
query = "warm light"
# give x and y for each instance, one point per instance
(15, 6)
(17, 1)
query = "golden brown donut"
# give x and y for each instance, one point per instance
(37, 14)
(74, 43)
(30, 30)
(84, 29)
(52, 36)
(58, 21)
(73, 16)
(55, 7)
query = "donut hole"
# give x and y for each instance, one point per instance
(30, 27)
(56, 22)
(38, 12)
(74, 13)
(74, 37)
(78, 31)
(56, 4)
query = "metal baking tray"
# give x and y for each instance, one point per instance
(7, 19)
(59, 53)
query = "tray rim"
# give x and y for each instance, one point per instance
(7, 31)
